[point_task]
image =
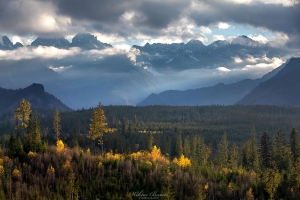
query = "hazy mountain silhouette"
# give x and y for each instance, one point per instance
(221, 94)
(281, 89)
(35, 94)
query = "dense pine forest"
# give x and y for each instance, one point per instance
(153, 152)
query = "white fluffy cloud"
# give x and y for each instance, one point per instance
(259, 38)
(223, 25)
(223, 69)
(218, 37)
(237, 59)
(264, 67)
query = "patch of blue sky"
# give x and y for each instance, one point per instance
(236, 30)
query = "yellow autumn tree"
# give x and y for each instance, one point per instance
(98, 126)
(183, 162)
(22, 114)
(60, 146)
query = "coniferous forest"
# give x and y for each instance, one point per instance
(153, 152)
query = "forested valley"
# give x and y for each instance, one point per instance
(152, 152)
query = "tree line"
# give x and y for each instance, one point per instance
(118, 160)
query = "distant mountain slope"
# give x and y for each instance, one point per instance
(35, 94)
(88, 41)
(61, 43)
(85, 41)
(281, 89)
(6, 44)
(220, 94)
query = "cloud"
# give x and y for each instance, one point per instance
(237, 59)
(253, 13)
(259, 38)
(55, 53)
(223, 25)
(218, 37)
(264, 67)
(60, 69)
(132, 53)
(223, 69)
(120, 21)
(41, 52)
(32, 17)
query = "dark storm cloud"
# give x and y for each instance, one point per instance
(158, 14)
(152, 18)
(94, 10)
(274, 17)
(154, 14)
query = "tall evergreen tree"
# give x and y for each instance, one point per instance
(250, 152)
(234, 157)
(150, 142)
(295, 144)
(179, 147)
(202, 151)
(186, 147)
(223, 152)
(33, 140)
(278, 149)
(56, 124)
(265, 150)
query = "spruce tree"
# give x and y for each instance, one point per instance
(150, 142)
(56, 124)
(33, 141)
(250, 152)
(179, 147)
(278, 149)
(265, 150)
(294, 144)
(234, 157)
(186, 147)
(223, 152)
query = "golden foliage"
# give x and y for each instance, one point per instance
(249, 194)
(111, 156)
(31, 154)
(1, 170)
(98, 124)
(226, 170)
(60, 146)
(1, 161)
(51, 170)
(157, 156)
(16, 173)
(242, 171)
(183, 162)
(66, 165)
(22, 113)
(206, 186)
(138, 155)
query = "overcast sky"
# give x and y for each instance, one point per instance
(127, 22)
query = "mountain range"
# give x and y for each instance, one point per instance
(35, 94)
(195, 55)
(99, 73)
(6, 44)
(278, 87)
